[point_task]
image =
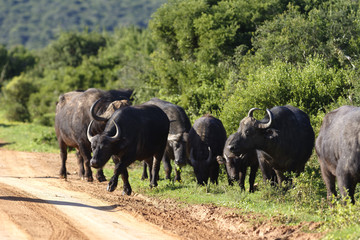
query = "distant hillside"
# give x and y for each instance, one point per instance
(33, 23)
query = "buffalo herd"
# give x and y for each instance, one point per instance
(106, 124)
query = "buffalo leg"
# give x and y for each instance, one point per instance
(80, 161)
(155, 170)
(214, 173)
(126, 185)
(86, 156)
(253, 171)
(329, 180)
(100, 175)
(345, 184)
(167, 166)
(144, 173)
(242, 175)
(347, 187)
(267, 171)
(120, 169)
(177, 173)
(148, 164)
(280, 177)
(63, 156)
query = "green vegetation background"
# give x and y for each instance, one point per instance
(209, 56)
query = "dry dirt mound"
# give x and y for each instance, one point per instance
(35, 204)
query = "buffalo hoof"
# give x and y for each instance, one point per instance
(89, 179)
(100, 176)
(126, 191)
(153, 185)
(111, 186)
(62, 176)
(101, 179)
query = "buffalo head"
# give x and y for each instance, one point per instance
(252, 133)
(230, 160)
(177, 143)
(103, 145)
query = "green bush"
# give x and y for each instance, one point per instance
(311, 87)
(16, 95)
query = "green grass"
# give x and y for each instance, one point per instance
(27, 136)
(305, 201)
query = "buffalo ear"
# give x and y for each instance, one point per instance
(271, 133)
(220, 159)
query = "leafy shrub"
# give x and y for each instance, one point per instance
(310, 87)
(15, 97)
(47, 137)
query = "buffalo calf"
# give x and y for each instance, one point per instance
(206, 141)
(236, 166)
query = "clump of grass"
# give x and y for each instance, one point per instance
(28, 137)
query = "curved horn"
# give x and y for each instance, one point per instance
(117, 134)
(266, 125)
(89, 136)
(92, 111)
(210, 154)
(250, 114)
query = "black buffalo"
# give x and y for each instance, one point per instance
(206, 142)
(337, 147)
(177, 139)
(132, 133)
(236, 166)
(71, 121)
(285, 135)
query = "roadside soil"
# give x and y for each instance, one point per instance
(36, 204)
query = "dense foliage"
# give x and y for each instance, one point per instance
(219, 57)
(34, 23)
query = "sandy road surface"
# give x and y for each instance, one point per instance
(36, 204)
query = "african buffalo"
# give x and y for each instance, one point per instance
(236, 166)
(337, 147)
(71, 121)
(284, 135)
(177, 139)
(132, 133)
(206, 141)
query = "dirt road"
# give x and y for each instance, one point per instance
(36, 204)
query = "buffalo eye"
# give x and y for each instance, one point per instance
(247, 133)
